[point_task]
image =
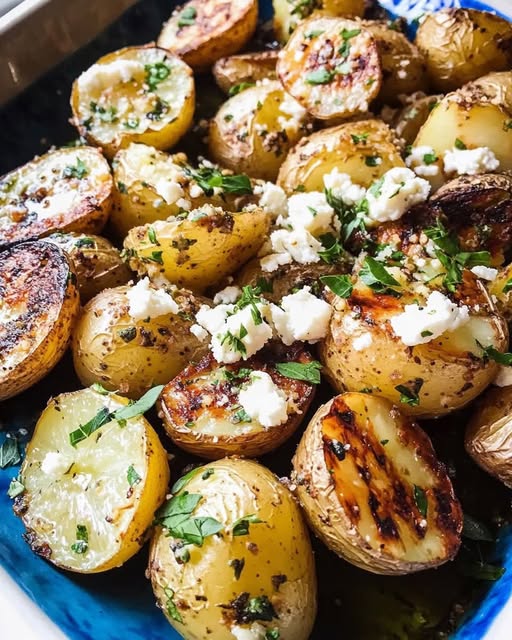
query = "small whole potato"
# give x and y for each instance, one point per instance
(408, 121)
(461, 45)
(253, 131)
(245, 68)
(248, 570)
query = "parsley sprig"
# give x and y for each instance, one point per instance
(209, 178)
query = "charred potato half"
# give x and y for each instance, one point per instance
(202, 31)
(136, 94)
(197, 251)
(365, 150)
(202, 411)
(245, 68)
(372, 487)
(408, 121)
(331, 66)
(250, 570)
(131, 355)
(96, 263)
(253, 131)
(38, 306)
(489, 434)
(63, 190)
(461, 45)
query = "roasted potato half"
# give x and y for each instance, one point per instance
(197, 251)
(137, 94)
(331, 66)
(202, 31)
(253, 131)
(365, 150)
(372, 487)
(39, 303)
(501, 288)
(131, 354)
(250, 570)
(461, 45)
(429, 379)
(489, 434)
(245, 68)
(408, 121)
(89, 500)
(288, 13)
(96, 263)
(63, 190)
(478, 115)
(203, 408)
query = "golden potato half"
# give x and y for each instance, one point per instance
(202, 31)
(38, 306)
(489, 434)
(461, 45)
(202, 413)
(87, 506)
(63, 190)
(197, 251)
(137, 94)
(427, 380)
(408, 121)
(96, 263)
(372, 487)
(253, 131)
(112, 348)
(245, 68)
(331, 66)
(236, 559)
(365, 150)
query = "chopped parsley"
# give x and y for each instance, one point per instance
(128, 334)
(372, 161)
(209, 178)
(359, 139)
(241, 416)
(156, 73)
(307, 372)
(332, 248)
(235, 343)
(82, 540)
(9, 453)
(375, 275)
(491, 353)
(131, 123)
(430, 158)
(238, 566)
(410, 392)
(85, 242)
(176, 517)
(508, 286)
(319, 76)
(16, 488)
(238, 88)
(156, 256)
(241, 526)
(340, 285)
(458, 144)
(79, 170)
(170, 605)
(187, 17)
(152, 236)
(132, 476)
(420, 500)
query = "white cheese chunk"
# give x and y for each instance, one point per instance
(310, 211)
(419, 160)
(301, 316)
(419, 325)
(273, 199)
(362, 342)
(263, 400)
(470, 161)
(342, 187)
(301, 245)
(102, 76)
(198, 331)
(147, 302)
(485, 273)
(503, 377)
(273, 261)
(55, 464)
(227, 295)
(255, 632)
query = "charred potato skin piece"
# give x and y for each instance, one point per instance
(409, 120)
(181, 403)
(96, 263)
(111, 348)
(340, 42)
(322, 151)
(219, 28)
(333, 507)
(488, 435)
(30, 186)
(461, 45)
(245, 67)
(37, 277)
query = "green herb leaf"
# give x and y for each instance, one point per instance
(238, 566)
(132, 122)
(332, 248)
(122, 187)
(238, 88)
(348, 34)
(128, 334)
(207, 474)
(340, 285)
(241, 416)
(475, 530)
(480, 570)
(442, 238)
(85, 242)
(409, 393)
(156, 256)
(429, 158)
(209, 178)
(16, 488)
(156, 73)
(235, 342)
(82, 539)
(491, 353)
(175, 516)
(9, 453)
(152, 236)
(309, 372)
(132, 476)
(140, 406)
(459, 144)
(420, 499)
(78, 171)
(508, 286)
(272, 634)
(160, 106)
(313, 34)
(170, 605)
(184, 480)
(241, 526)
(319, 76)
(259, 608)
(84, 430)
(372, 161)
(374, 275)
(358, 139)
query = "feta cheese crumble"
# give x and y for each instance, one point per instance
(198, 331)
(422, 160)
(301, 316)
(263, 400)
(470, 161)
(503, 377)
(227, 295)
(301, 245)
(55, 464)
(273, 199)
(147, 302)
(342, 187)
(485, 273)
(419, 325)
(273, 261)
(255, 632)
(396, 192)
(362, 342)
(311, 212)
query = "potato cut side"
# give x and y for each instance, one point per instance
(136, 94)
(373, 489)
(87, 507)
(245, 68)
(331, 66)
(38, 306)
(202, 413)
(64, 190)
(202, 31)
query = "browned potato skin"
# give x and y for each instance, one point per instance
(409, 120)
(96, 262)
(332, 505)
(157, 352)
(488, 437)
(38, 275)
(181, 404)
(220, 29)
(502, 293)
(461, 45)
(245, 67)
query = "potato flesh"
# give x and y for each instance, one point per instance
(90, 486)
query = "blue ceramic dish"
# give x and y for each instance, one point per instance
(120, 605)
